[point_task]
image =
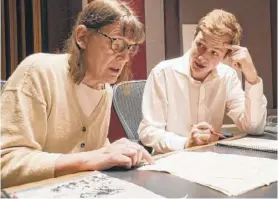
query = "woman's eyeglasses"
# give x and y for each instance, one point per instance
(118, 45)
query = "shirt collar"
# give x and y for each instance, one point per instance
(183, 65)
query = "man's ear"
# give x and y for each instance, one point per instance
(81, 36)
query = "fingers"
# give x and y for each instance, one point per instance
(237, 57)
(147, 156)
(133, 150)
(204, 126)
(195, 140)
(139, 156)
(120, 160)
(232, 47)
(199, 142)
(142, 153)
(202, 135)
(131, 153)
(235, 65)
(124, 153)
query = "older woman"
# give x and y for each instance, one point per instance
(56, 108)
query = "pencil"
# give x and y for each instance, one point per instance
(218, 134)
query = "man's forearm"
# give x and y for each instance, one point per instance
(162, 141)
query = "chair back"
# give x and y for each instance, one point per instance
(127, 104)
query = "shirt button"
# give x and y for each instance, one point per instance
(82, 145)
(84, 129)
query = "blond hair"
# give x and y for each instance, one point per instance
(97, 14)
(219, 23)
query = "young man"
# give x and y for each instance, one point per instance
(185, 98)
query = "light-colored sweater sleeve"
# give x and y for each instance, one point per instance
(152, 130)
(247, 109)
(24, 131)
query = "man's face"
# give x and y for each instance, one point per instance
(206, 53)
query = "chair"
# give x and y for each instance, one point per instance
(127, 101)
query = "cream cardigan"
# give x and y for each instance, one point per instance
(41, 119)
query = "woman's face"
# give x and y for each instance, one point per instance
(104, 64)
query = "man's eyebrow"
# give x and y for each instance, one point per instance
(214, 48)
(220, 49)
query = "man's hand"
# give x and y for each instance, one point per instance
(200, 135)
(239, 58)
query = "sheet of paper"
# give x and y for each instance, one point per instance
(96, 185)
(230, 174)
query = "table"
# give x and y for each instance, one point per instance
(171, 186)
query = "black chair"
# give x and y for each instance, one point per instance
(127, 101)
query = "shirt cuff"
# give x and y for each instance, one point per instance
(174, 141)
(255, 90)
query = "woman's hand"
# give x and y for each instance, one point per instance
(120, 153)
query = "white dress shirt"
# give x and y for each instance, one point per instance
(173, 101)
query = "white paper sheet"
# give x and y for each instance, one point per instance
(230, 174)
(96, 185)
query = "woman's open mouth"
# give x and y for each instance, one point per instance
(114, 70)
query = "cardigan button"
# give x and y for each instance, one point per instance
(82, 145)
(84, 129)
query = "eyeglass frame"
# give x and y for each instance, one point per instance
(114, 39)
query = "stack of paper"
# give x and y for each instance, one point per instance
(252, 143)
